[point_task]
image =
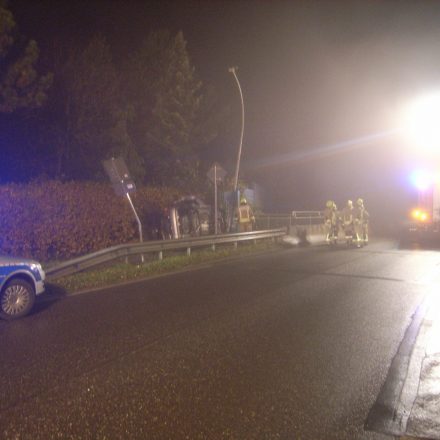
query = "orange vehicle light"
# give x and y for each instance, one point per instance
(419, 215)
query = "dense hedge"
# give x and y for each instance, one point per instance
(55, 220)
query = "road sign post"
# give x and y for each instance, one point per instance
(123, 184)
(215, 201)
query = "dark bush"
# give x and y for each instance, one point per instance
(54, 220)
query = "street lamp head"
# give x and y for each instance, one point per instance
(233, 69)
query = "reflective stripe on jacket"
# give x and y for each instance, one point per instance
(244, 213)
(347, 215)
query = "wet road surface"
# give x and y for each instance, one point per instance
(294, 344)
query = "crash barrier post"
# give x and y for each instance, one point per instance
(157, 247)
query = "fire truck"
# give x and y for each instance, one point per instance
(424, 223)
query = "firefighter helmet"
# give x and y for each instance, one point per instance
(330, 204)
(360, 202)
(349, 204)
(243, 201)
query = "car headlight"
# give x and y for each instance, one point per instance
(420, 215)
(36, 267)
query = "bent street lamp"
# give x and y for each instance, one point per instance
(233, 71)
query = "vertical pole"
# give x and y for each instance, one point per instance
(137, 218)
(138, 222)
(215, 199)
(237, 167)
(238, 210)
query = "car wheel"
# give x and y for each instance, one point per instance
(16, 299)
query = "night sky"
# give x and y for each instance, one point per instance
(314, 74)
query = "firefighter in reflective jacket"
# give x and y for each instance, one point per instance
(245, 216)
(331, 222)
(361, 222)
(348, 222)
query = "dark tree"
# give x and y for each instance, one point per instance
(88, 115)
(20, 85)
(170, 126)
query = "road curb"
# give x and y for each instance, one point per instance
(390, 412)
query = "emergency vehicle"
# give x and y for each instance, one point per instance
(21, 280)
(424, 223)
(421, 134)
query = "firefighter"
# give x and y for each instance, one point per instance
(361, 222)
(347, 215)
(331, 222)
(245, 216)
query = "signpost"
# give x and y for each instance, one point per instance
(216, 174)
(123, 184)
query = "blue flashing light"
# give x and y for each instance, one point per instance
(422, 179)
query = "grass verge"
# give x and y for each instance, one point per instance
(122, 272)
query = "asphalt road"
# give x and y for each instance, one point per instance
(294, 344)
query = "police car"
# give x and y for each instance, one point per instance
(21, 280)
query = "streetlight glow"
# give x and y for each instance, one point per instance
(422, 122)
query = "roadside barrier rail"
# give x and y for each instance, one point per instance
(125, 250)
(272, 221)
(303, 218)
(295, 218)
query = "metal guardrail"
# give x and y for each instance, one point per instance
(272, 221)
(307, 218)
(96, 258)
(295, 218)
(308, 214)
